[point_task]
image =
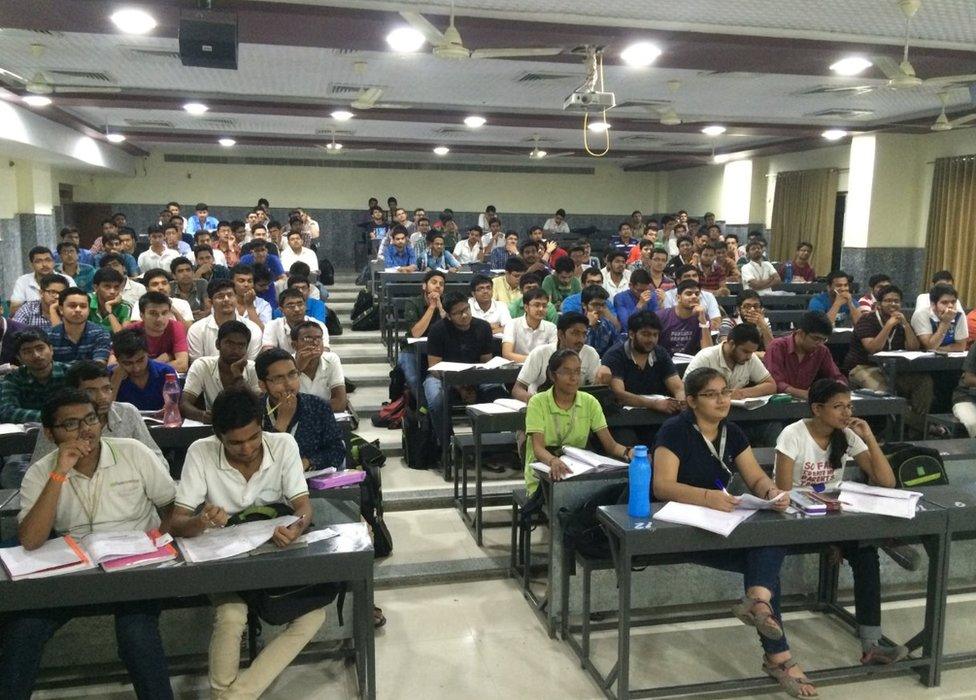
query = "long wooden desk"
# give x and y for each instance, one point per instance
(346, 558)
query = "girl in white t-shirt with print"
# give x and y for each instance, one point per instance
(811, 453)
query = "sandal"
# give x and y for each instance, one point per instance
(379, 619)
(764, 622)
(882, 654)
(791, 684)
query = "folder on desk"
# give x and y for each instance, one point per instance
(877, 500)
(62, 555)
(716, 521)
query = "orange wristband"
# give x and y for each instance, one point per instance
(59, 478)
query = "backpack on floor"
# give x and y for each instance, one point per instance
(332, 323)
(326, 272)
(364, 300)
(368, 320)
(914, 465)
(581, 531)
(368, 457)
(391, 414)
(419, 446)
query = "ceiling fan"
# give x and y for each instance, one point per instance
(40, 85)
(668, 113)
(335, 148)
(902, 76)
(448, 44)
(537, 153)
(943, 123)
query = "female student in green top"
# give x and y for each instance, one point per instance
(564, 416)
(811, 453)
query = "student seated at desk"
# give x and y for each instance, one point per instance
(308, 418)
(419, 314)
(484, 307)
(400, 255)
(165, 336)
(77, 338)
(708, 300)
(161, 281)
(505, 288)
(939, 325)
(562, 282)
(887, 328)
(314, 306)
(91, 483)
(527, 332)
(964, 397)
(574, 302)
(603, 328)
(563, 416)
(812, 452)
(202, 336)
(43, 312)
(238, 468)
(695, 452)
(208, 376)
(189, 288)
(321, 370)
(137, 378)
(685, 326)
(532, 252)
(797, 360)
(837, 302)
(570, 335)
(867, 303)
(529, 281)
(758, 273)
(107, 308)
(943, 277)
(458, 338)
(277, 332)
(118, 419)
(749, 310)
(435, 257)
(636, 298)
(248, 303)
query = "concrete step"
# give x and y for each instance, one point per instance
(372, 374)
(368, 399)
(351, 337)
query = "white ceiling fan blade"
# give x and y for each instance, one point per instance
(561, 154)
(514, 53)
(86, 88)
(367, 98)
(416, 20)
(888, 66)
(951, 79)
(13, 76)
(963, 120)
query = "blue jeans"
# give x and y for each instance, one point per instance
(434, 392)
(407, 361)
(759, 566)
(136, 633)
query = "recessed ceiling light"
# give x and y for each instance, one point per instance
(37, 100)
(342, 115)
(132, 20)
(115, 137)
(226, 143)
(642, 53)
(195, 108)
(334, 147)
(714, 130)
(405, 40)
(852, 65)
(599, 126)
(834, 134)
(441, 150)
(474, 122)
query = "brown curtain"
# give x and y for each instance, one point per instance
(951, 240)
(803, 210)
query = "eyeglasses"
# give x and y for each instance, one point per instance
(461, 313)
(569, 372)
(310, 340)
(290, 376)
(712, 395)
(73, 424)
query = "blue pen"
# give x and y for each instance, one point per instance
(721, 486)
(819, 488)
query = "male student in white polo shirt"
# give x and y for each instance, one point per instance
(89, 484)
(321, 369)
(208, 376)
(277, 333)
(27, 287)
(570, 335)
(202, 335)
(525, 333)
(484, 307)
(238, 468)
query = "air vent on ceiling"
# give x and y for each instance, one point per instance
(643, 103)
(344, 52)
(452, 130)
(216, 121)
(31, 32)
(342, 89)
(336, 132)
(540, 139)
(153, 53)
(835, 90)
(842, 113)
(684, 144)
(734, 74)
(83, 75)
(535, 77)
(149, 123)
(638, 138)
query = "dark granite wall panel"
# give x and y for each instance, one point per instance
(905, 265)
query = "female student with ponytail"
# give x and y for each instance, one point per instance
(811, 453)
(695, 455)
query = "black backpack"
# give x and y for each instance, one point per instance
(364, 300)
(326, 272)
(368, 320)
(419, 446)
(915, 466)
(368, 457)
(581, 531)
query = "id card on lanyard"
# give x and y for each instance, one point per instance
(717, 454)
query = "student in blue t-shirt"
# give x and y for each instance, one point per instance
(638, 297)
(137, 378)
(837, 302)
(399, 254)
(695, 456)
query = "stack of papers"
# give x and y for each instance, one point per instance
(905, 354)
(221, 543)
(646, 396)
(751, 404)
(461, 366)
(319, 472)
(127, 550)
(53, 558)
(717, 521)
(862, 498)
(581, 461)
(411, 341)
(681, 358)
(500, 406)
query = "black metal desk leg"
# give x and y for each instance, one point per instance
(623, 625)
(936, 591)
(478, 513)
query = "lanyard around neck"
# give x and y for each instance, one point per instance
(717, 454)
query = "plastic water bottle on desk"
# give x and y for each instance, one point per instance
(171, 402)
(639, 474)
(788, 273)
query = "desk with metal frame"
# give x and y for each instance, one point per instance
(805, 288)
(657, 542)
(937, 362)
(346, 558)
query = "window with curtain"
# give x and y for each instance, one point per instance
(803, 210)
(951, 237)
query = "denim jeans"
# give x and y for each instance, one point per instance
(136, 633)
(434, 393)
(867, 583)
(407, 361)
(760, 566)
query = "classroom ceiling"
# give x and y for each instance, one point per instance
(760, 68)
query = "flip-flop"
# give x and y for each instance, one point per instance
(379, 619)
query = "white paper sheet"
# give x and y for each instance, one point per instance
(716, 521)
(221, 543)
(112, 545)
(326, 533)
(53, 558)
(907, 354)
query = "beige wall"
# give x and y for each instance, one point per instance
(609, 191)
(696, 190)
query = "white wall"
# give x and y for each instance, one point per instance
(609, 191)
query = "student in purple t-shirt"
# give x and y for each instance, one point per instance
(685, 327)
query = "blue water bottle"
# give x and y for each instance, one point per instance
(639, 502)
(788, 273)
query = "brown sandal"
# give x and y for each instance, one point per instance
(791, 684)
(764, 622)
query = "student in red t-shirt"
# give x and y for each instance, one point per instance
(165, 336)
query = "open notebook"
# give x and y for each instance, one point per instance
(716, 521)
(500, 406)
(862, 498)
(581, 461)
(461, 366)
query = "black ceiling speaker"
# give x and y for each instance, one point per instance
(208, 39)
